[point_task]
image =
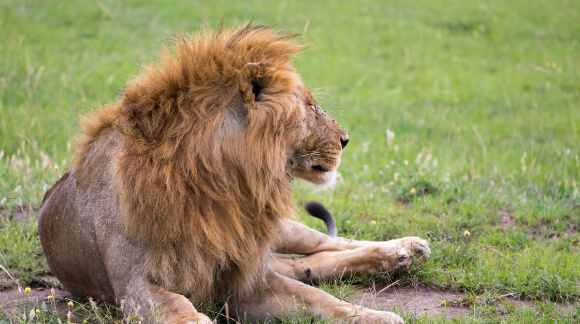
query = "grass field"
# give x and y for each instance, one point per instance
(463, 116)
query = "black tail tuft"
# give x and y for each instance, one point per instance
(318, 210)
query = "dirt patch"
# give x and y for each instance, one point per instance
(15, 301)
(506, 220)
(413, 300)
(20, 213)
(541, 231)
(428, 301)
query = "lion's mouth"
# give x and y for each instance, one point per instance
(319, 168)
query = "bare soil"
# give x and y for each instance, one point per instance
(15, 300)
(541, 231)
(413, 300)
(20, 213)
(506, 220)
(428, 301)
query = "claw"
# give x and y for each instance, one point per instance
(404, 257)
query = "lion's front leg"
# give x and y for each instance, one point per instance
(298, 238)
(334, 257)
(368, 259)
(283, 297)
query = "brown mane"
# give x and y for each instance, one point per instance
(200, 177)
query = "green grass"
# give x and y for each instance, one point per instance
(481, 101)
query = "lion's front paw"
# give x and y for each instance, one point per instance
(418, 247)
(381, 256)
(401, 259)
(376, 317)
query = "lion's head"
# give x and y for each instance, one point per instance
(211, 138)
(313, 141)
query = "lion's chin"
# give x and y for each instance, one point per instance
(328, 180)
(322, 179)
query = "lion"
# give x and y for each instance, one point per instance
(180, 194)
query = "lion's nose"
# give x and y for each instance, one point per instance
(343, 141)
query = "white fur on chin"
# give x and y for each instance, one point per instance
(330, 179)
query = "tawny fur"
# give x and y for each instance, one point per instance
(191, 187)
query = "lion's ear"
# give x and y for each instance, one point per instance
(253, 78)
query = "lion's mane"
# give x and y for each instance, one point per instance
(206, 213)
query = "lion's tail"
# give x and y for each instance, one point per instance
(318, 210)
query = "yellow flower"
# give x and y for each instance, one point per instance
(466, 233)
(70, 303)
(49, 297)
(443, 303)
(55, 167)
(37, 311)
(304, 308)
(27, 290)
(413, 191)
(373, 223)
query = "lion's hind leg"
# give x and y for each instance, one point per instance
(283, 297)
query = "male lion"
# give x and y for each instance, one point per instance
(180, 193)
